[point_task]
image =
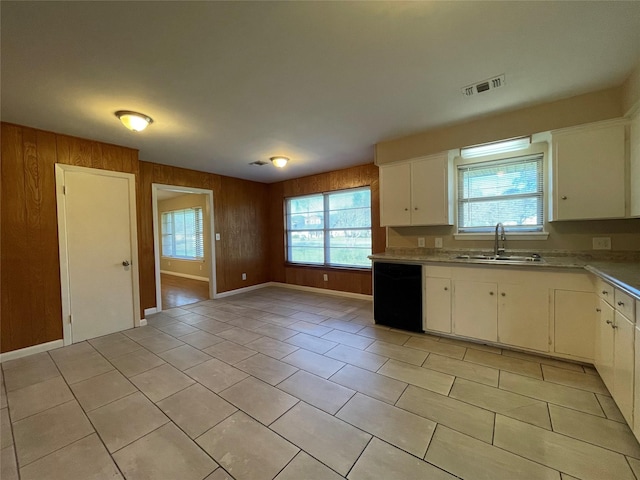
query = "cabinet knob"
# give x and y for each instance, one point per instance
(604, 292)
(563, 197)
(415, 208)
(610, 322)
(598, 310)
(446, 288)
(490, 293)
(621, 304)
(503, 294)
(406, 209)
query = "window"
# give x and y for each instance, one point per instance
(330, 228)
(507, 191)
(182, 234)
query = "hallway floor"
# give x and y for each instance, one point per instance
(180, 291)
(286, 384)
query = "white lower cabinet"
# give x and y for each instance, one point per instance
(615, 348)
(603, 355)
(437, 306)
(623, 365)
(575, 323)
(523, 316)
(475, 310)
(636, 386)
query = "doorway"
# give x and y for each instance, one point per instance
(98, 251)
(184, 249)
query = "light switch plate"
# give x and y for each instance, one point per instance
(438, 242)
(602, 243)
(217, 236)
(421, 242)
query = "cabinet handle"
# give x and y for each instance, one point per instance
(621, 304)
(563, 197)
(490, 293)
(598, 310)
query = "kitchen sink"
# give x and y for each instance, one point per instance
(534, 257)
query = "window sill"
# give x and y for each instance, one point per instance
(510, 236)
(327, 267)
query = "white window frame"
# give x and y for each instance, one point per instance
(541, 146)
(326, 229)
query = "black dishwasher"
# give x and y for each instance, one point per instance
(397, 295)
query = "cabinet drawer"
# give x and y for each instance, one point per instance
(624, 304)
(605, 291)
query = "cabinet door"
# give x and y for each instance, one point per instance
(523, 316)
(603, 355)
(623, 365)
(636, 386)
(438, 304)
(575, 323)
(395, 194)
(430, 192)
(475, 310)
(589, 169)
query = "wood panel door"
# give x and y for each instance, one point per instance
(98, 252)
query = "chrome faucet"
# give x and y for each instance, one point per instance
(496, 246)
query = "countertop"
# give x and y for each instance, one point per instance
(622, 269)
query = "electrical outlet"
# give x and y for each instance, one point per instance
(602, 243)
(421, 242)
(200, 267)
(169, 263)
(244, 276)
(438, 242)
(325, 277)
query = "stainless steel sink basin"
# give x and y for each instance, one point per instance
(503, 258)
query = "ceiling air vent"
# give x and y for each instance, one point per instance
(259, 163)
(484, 86)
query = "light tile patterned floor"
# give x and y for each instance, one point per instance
(286, 384)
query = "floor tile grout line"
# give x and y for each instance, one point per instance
(13, 437)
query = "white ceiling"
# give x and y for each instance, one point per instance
(229, 83)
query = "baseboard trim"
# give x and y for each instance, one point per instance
(185, 275)
(338, 293)
(149, 311)
(24, 352)
(230, 293)
(326, 291)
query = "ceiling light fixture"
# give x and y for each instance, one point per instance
(134, 121)
(279, 162)
(496, 147)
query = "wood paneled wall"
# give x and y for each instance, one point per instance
(240, 213)
(31, 309)
(355, 281)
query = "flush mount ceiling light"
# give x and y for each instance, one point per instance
(279, 162)
(496, 147)
(134, 121)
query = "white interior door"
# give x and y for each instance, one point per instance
(102, 283)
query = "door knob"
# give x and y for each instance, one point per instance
(125, 263)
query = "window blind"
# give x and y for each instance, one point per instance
(508, 191)
(182, 234)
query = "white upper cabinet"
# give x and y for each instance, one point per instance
(589, 172)
(634, 153)
(417, 192)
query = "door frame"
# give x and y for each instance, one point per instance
(156, 236)
(60, 170)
